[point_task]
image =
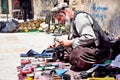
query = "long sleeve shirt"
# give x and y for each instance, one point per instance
(84, 28)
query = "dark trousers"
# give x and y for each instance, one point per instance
(49, 18)
(27, 13)
(84, 57)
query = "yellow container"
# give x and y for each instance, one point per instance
(29, 78)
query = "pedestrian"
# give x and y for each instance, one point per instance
(48, 19)
(89, 43)
(26, 9)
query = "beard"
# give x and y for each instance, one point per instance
(67, 23)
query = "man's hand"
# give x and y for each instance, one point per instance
(54, 45)
(65, 43)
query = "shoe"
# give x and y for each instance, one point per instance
(26, 71)
(45, 54)
(30, 53)
(60, 72)
(28, 68)
(25, 61)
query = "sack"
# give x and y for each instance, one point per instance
(10, 26)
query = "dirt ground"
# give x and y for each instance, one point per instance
(12, 44)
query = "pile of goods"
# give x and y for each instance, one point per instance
(30, 25)
(36, 66)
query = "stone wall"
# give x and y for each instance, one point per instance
(106, 12)
(43, 6)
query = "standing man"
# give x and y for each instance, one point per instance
(26, 8)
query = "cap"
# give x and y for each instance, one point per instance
(59, 6)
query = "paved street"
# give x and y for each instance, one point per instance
(12, 44)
